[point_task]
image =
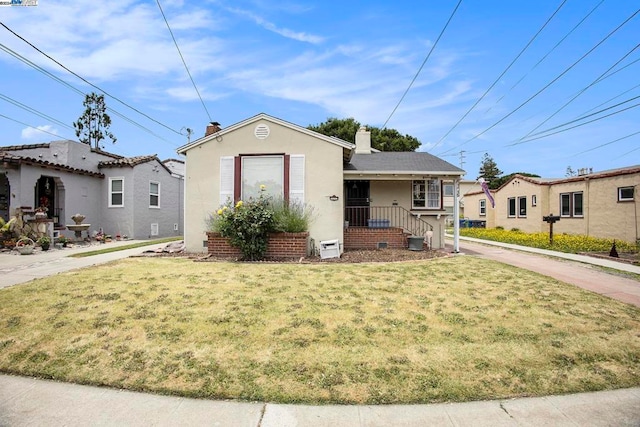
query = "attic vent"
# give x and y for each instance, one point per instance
(262, 131)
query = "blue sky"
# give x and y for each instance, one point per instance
(307, 61)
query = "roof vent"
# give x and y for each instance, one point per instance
(262, 131)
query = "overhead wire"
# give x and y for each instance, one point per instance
(548, 84)
(30, 126)
(33, 111)
(607, 143)
(423, 64)
(74, 89)
(547, 54)
(88, 82)
(500, 76)
(583, 90)
(581, 124)
(183, 61)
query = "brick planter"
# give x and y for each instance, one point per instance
(281, 245)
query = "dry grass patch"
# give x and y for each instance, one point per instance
(448, 329)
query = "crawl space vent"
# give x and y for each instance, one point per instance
(262, 131)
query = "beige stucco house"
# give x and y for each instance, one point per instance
(347, 185)
(599, 204)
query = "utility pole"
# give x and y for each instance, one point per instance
(462, 159)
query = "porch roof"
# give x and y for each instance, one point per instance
(389, 164)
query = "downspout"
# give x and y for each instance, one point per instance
(456, 216)
(588, 217)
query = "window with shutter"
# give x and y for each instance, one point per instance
(227, 171)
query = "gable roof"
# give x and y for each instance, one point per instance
(346, 146)
(391, 162)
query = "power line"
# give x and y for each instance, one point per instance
(581, 124)
(596, 81)
(78, 91)
(32, 127)
(183, 61)
(550, 83)
(88, 82)
(423, 63)
(546, 55)
(607, 143)
(500, 76)
(33, 111)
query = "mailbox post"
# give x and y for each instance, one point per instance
(550, 220)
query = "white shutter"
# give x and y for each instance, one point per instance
(296, 178)
(226, 179)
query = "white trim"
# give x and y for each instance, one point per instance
(265, 117)
(110, 193)
(227, 179)
(296, 178)
(151, 194)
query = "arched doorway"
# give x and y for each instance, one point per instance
(5, 192)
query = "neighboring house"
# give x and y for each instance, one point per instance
(138, 197)
(601, 204)
(448, 192)
(348, 186)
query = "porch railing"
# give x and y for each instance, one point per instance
(386, 216)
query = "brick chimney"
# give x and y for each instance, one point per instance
(212, 128)
(363, 141)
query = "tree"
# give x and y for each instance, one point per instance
(93, 126)
(381, 139)
(489, 170)
(570, 172)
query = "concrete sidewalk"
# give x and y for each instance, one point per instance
(16, 268)
(30, 402)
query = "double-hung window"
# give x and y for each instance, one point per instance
(483, 207)
(522, 206)
(154, 194)
(427, 194)
(571, 205)
(116, 192)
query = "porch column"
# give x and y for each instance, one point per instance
(456, 216)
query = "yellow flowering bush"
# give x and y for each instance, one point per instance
(561, 242)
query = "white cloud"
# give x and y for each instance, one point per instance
(40, 133)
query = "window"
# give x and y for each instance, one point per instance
(512, 207)
(483, 207)
(522, 206)
(448, 190)
(571, 205)
(625, 194)
(116, 192)
(426, 194)
(154, 194)
(262, 172)
(242, 177)
(534, 200)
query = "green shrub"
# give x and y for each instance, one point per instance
(247, 224)
(290, 217)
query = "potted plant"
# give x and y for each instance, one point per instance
(44, 242)
(63, 241)
(41, 212)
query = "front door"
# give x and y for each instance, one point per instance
(357, 202)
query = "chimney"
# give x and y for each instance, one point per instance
(363, 141)
(212, 128)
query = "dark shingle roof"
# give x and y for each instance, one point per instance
(406, 162)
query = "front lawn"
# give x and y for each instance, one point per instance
(448, 329)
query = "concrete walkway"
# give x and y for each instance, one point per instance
(31, 402)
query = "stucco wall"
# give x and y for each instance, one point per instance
(323, 178)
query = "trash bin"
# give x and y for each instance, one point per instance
(329, 249)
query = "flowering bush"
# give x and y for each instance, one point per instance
(247, 224)
(561, 242)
